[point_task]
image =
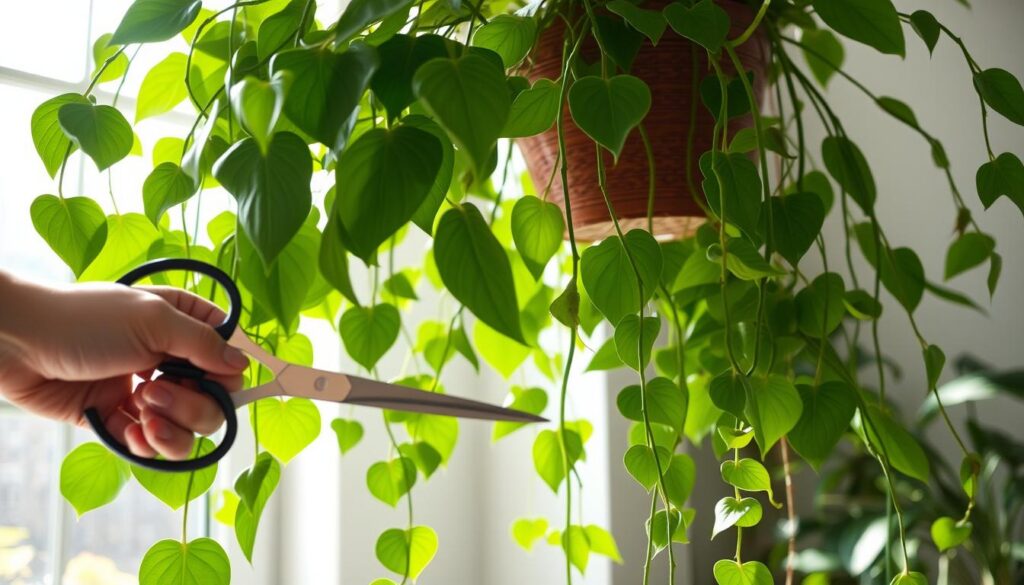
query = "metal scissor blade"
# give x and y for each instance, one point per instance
(366, 392)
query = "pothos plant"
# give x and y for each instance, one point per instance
(337, 137)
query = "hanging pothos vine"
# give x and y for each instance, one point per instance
(412, 107)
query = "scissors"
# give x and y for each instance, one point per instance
(289, 380)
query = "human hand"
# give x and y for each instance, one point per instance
(64, 350)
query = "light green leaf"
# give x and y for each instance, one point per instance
(663, 523)
(527, 531)
(968, 251)
(166, 186)
(440, 432)
(254, 487)
(1002, 92)
(508, 35)
(100, 131)
(49, 138)
(680, 479)
(872, 22)
(475, 269)
(602, 542)
(548, 459)
(825, 416)
(642, 466)
(796, 222)
(729, 572)
(467, 95)
(368, 332)
(326, 88)
(163, 88)
(926, 27)
(605, 358)
(892, 440)
(402, 551)
(748, 475)
(649, 22)
(199, 562)
(388, 481)
(74, 228)
(151, 21)
(743, 260)
(279, 28)
(819, 306)
(257, 104)
(531, 400)
(225, 514)
(731, 512)
(850, 169)
(537, 228)
(948, 533)
(666, 403)
(705, 23)
(577, 547)
(1002, 176)
(173, 488)
(609, 278)
(627, 339)
(423, 455)
(360, 14)
(91, 477)
(286, 427)
(281, 291)
(533, 110)
(272, 189)
(824, 53)
(773, 408)
(103, 50)
(911, 578)
(382, 179)
(608, 109)
(349, 433)
(129, 237)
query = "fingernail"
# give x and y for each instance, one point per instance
(158, 395)
(235, 357)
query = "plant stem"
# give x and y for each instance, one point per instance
(750, 29)
(790, 512)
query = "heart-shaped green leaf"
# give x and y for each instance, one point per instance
(537, 228)
(91, 477)
(407, 552)
(680, 479)
(423, 455)
(728, 572)
(258, 103)
(926, 27)
(168, 185)
(825, 416)
(576, 545)
(901, 269)
(349, 433)
(500, 352)
(360, 14)
(895, 442)
(650, 22)
(607, 109)
(609, 278)
(968, 251)
(642, 466)
(75, 228)
(548, 459)
(441, 432)
(388, 481)
(1002, 176)
(50, 141)
(526, 531)
(728, 392)
(531, 400)
(748, 475)
(272, 189)
(509, 35)
(734, 178)
(796, 222)
(174, 489)
(1002, 92)
(100, 131)
(819, 306)
(163, 88)
(333, 260)
(426, 213)
(129, 237)
(705, 23)
(849, 168)
(628, 336)
(773, 407)
(199, 562)
(281, 291)
(278, 29)
(382, 179)
(286, 427)
(400, 57)
(663, 524)
(151, 21)
(533, 110)
(476, 270)
(872, 22)
(467, 95)
(666, 403)
(254, 487)
(326, 88)
(948, 533)
(368, 332)
(731, 512)
(823, 52)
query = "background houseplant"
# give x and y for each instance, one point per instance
(698, 304)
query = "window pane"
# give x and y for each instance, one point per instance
(46, 37)
(26, 486)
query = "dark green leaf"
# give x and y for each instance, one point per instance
(609, 278)
(368, 332)
(360, 14)
(728, 391)
(641, 464)
(926, 27)
(608, 109)
(272, 189)
(850, 169)
(901, 269)
(826, 414)
(773, 408)
(893, 441)
(1002, 176)
(968, 251)
(711, 96)
(279, 28)
(75, 228)
(1002, 92)
(151, 21)
(168, 185)
(796, 222)
(899, 110)
(872, 22)
(427, 211)
(705, 23)
(650, 22)
(819, 307)
(934, 362)
(333, 260)
(400, 57)
(281, 290)
(824, 53)
(731, 512)
(100, 131)
(741, 189)
(628, 336)
(666, 403)
(475, 269)
(621, 42)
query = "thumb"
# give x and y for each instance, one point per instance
(182, 336)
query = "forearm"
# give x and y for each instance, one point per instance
(15, 319)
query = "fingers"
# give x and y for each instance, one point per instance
(186, 408)
(188, 303)
(174, 332)
(167, 438)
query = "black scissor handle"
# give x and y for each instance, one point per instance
(184, 370)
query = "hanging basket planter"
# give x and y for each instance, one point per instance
(668, 70)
